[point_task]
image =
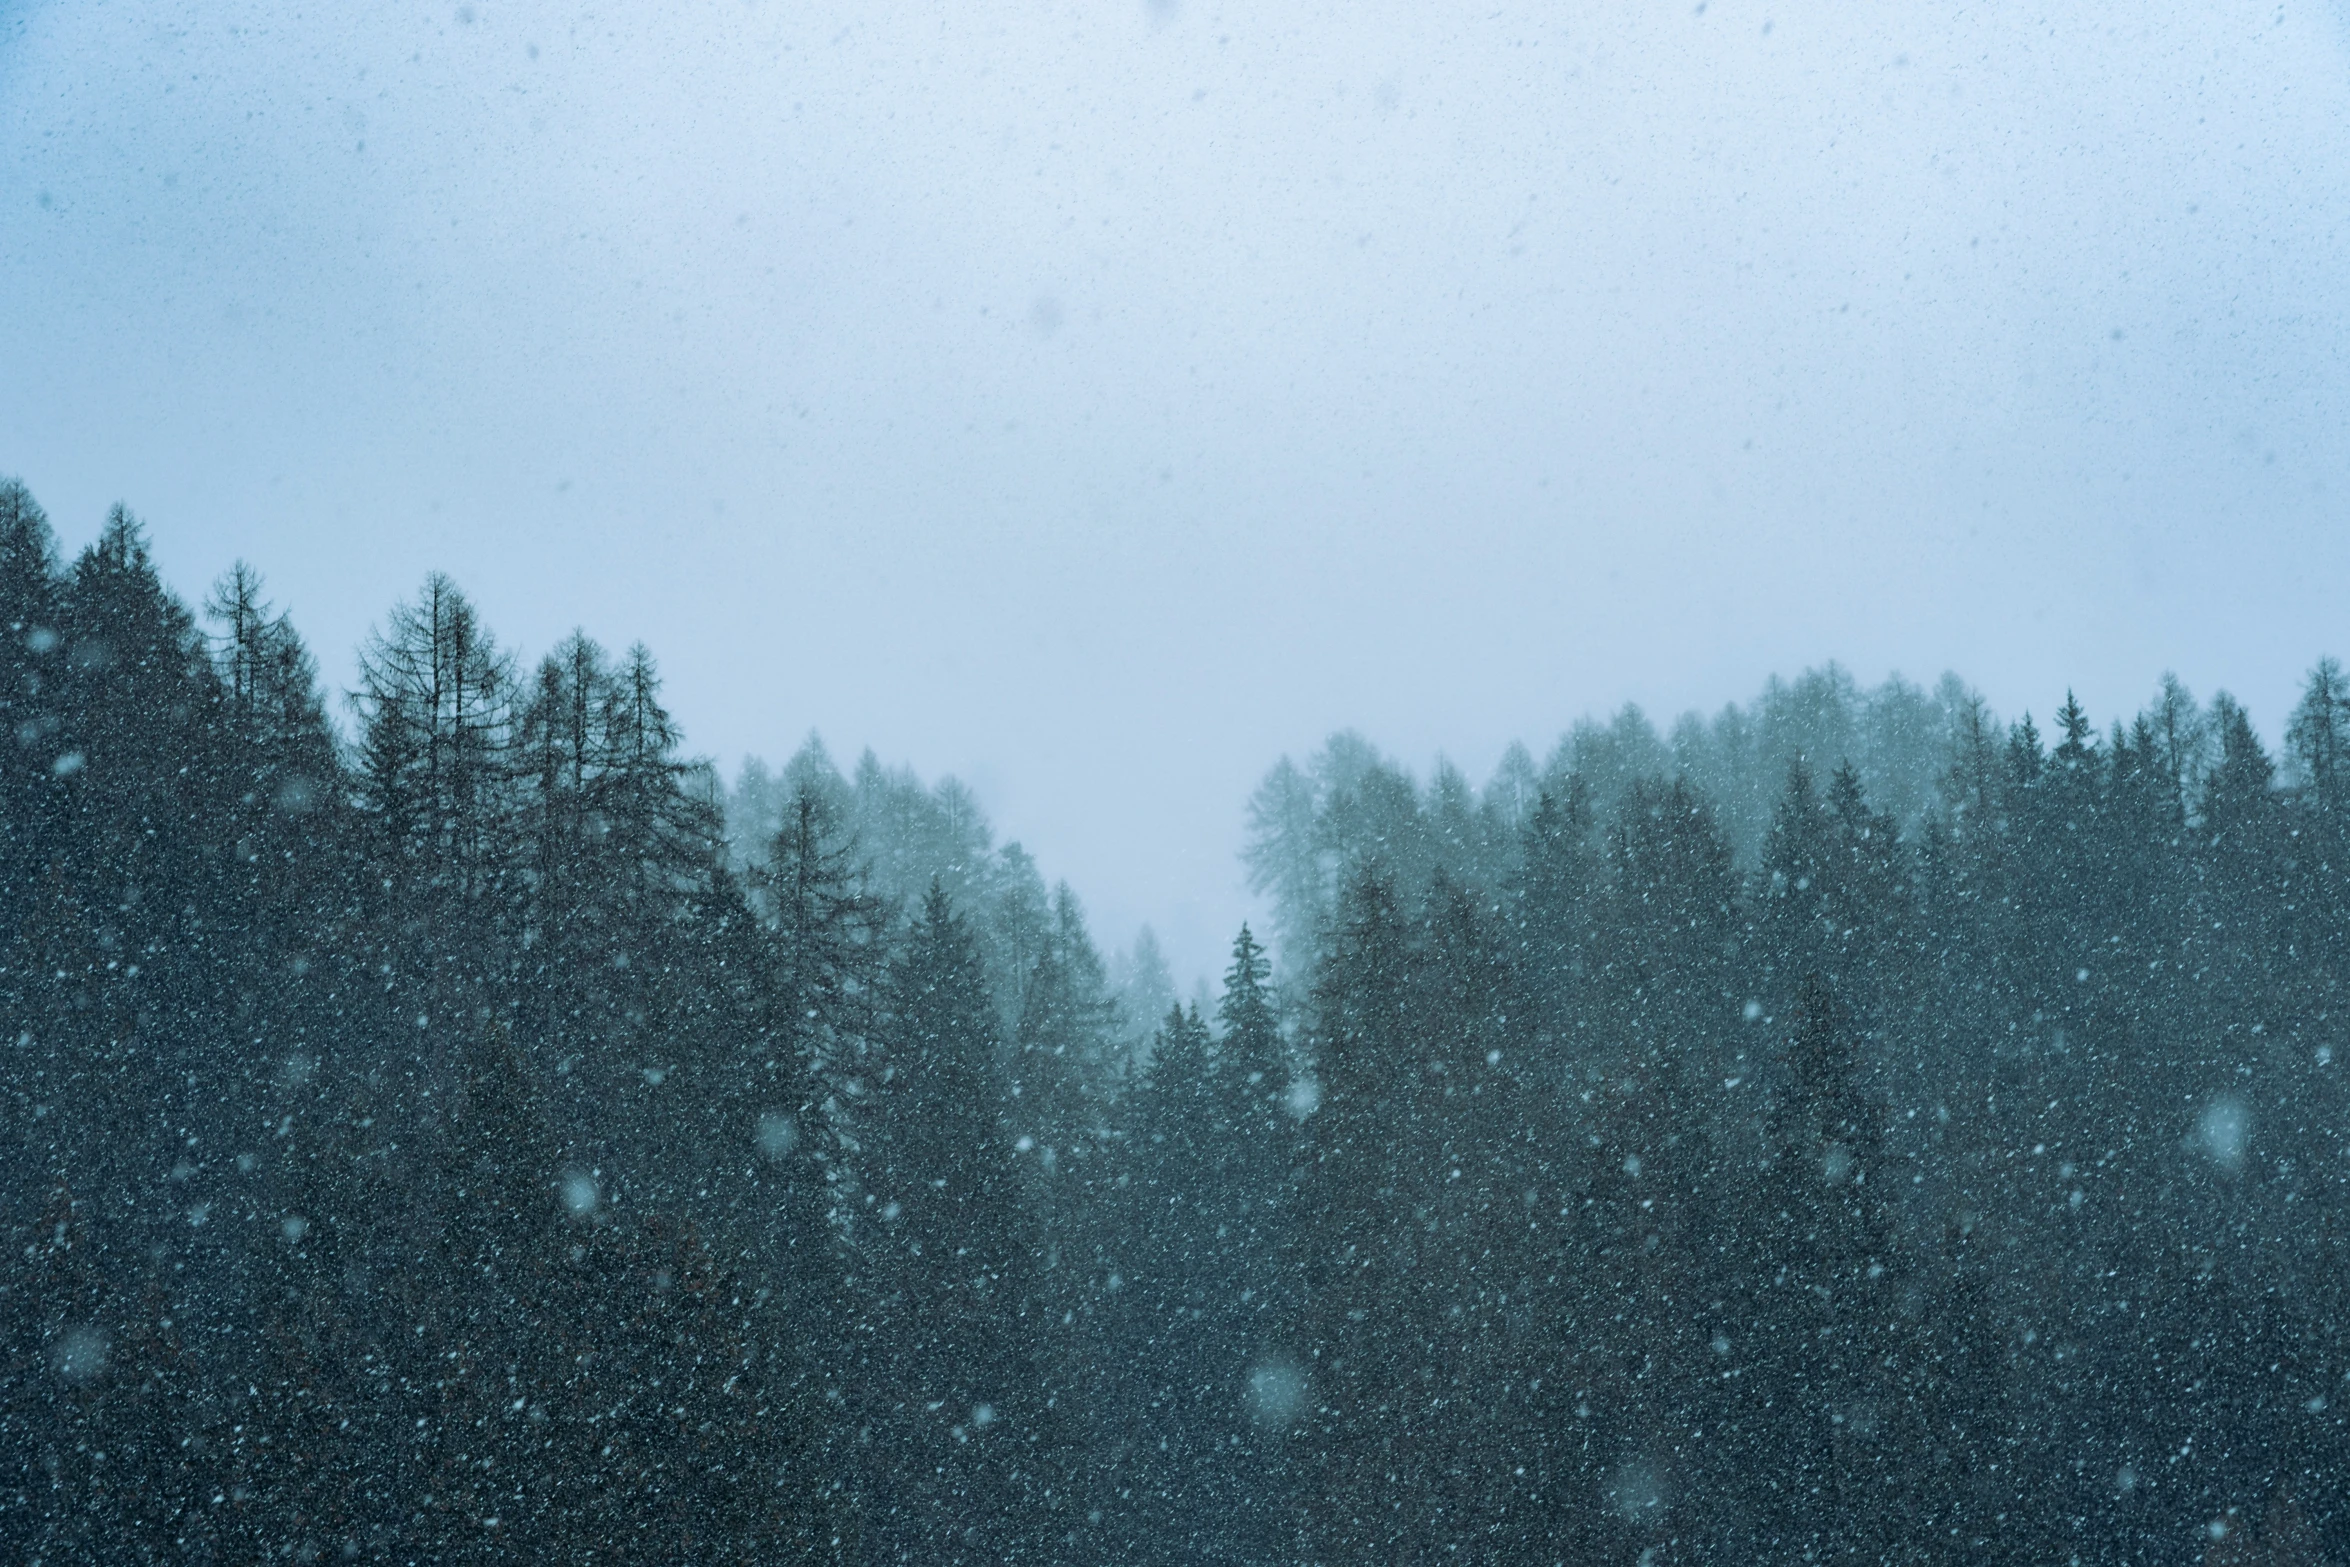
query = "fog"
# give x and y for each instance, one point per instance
(1098, 403)
(650, 658)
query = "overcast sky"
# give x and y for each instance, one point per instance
(1099, 401)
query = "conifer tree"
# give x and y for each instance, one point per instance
(956, 1253)
(33, 746)
(1253, 1107)
(585, 1378)
(439, 816)
(825, 937)
(436, 709)
(143, 776)
(1180, 1391)
(1557, 884)
(2318, 736)
(1358, 1239)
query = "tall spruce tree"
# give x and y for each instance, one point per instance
(1360, 1236)
(954, 1255)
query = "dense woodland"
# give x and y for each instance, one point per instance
(455, 1126)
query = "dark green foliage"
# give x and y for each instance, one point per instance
(1937, 1192)
(1207, 1307)
(1853, 1130)
(306, 1056)
(955, 1315)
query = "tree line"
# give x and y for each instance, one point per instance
(484, 1135)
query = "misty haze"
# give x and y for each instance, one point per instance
(1153, 783)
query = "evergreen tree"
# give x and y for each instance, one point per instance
(1557, 886)
(1182, 1398)
(1253, 1105)
(436, 708)
(439, 815)
(2318, 736)
(32, 669)
(955, 1251)
(825, 937)
(1359, 1240)
(463, 1148)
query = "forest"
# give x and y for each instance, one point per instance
(456, 1124)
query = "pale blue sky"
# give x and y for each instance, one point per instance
(1098, 401)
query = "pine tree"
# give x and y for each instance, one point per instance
(2076, 753)
(2242, 829)
(440, 812)
(956, 1256)
(436, 707)
(1834, 1412)
(1357, 1236)
(143, 777)
(1285, 859)
(34, 751)
(281, 837)
(1557, 884)
(586, 1379)
(1481, 1160)
(618, 855)
(825, 937)
(2319, 736)
(1180, 1391)
(1253, 1094)
(1798, 863)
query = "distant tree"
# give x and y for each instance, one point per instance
(1558, 885)
(1670, 923)
(1970, 783)
(826, 935)
(270, 679)
(2077, 751)
(2318, 736)
(2181, 736)
(143, 781)
(2025, 758)
(1358, 1238)
(284, 771)
(1065, 1060)
(1797, 860)
(35, 752)
(1179, 1395)
(2237, 806)
(1284, 861)
(1254, 1083)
